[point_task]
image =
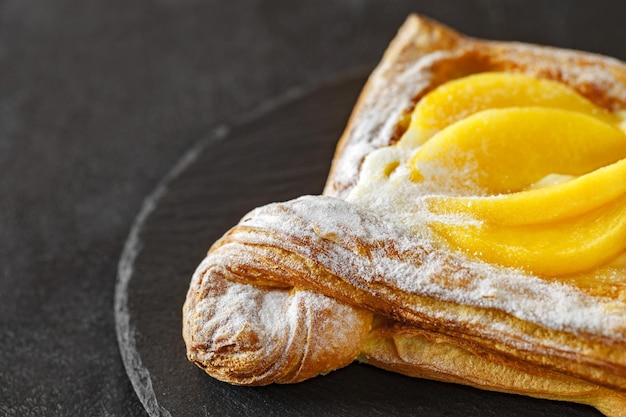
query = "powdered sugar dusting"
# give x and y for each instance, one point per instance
(419, 268)
(587, 72)
(378, 116)
(255, 335)
(395, 84)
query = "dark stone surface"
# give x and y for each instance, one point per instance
(100, 98)
(281, 154)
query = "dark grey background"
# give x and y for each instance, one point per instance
(99, 98)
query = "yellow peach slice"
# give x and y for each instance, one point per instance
(560, 248)
(505, 150)
(461, 98)
(552, 203)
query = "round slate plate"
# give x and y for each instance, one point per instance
(281, 152)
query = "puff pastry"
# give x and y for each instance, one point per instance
(304, 287)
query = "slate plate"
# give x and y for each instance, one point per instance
(280, 152)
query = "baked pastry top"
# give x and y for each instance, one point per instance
(472, 230)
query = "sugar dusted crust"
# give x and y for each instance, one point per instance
(304, 287)
(425, 55)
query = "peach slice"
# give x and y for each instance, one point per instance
(461, 98)
(553, 249)
(556, 202)
(505, 150)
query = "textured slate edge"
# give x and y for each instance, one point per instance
(125, 329)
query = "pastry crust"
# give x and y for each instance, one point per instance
(425, 55)
(301, 288)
